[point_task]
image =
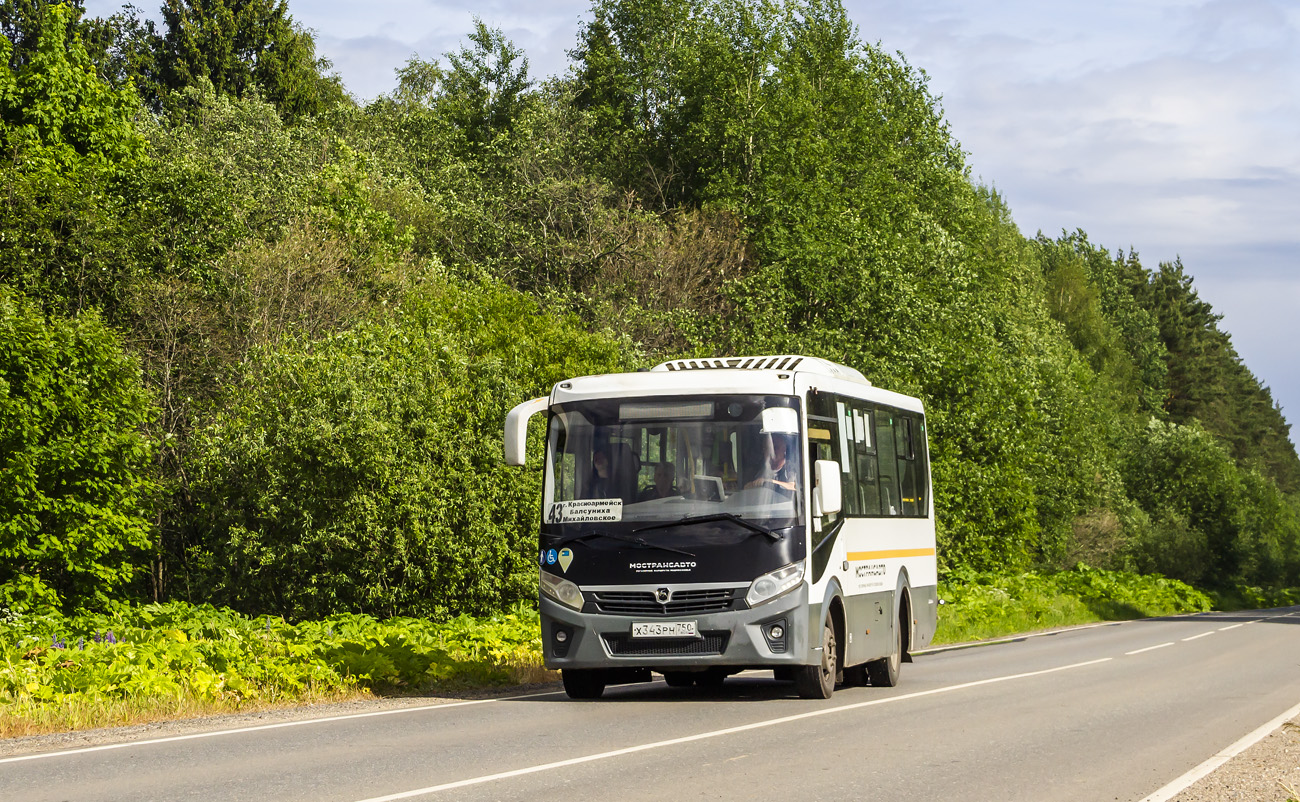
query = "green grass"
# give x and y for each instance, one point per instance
(979, 606)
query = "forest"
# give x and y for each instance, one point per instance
(258, 338)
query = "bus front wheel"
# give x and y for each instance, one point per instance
(818, 682)
(583, 683)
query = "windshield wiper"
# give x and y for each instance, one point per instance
(717, 516)
(639, 541)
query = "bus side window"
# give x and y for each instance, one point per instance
(824, 433)
(922, 469)
(886, 421)
(821, 450)
(848, 437)
(906, 465)
(868, 469)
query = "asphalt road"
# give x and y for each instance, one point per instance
(1112, 712)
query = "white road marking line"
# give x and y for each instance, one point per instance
(1177, 786)
(948, 647)
(1149, 648)
(1234, 626)
(716, 733)
(280, 725)
(1202, 635)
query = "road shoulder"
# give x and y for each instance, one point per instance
(1268, 771)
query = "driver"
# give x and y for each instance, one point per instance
(779, 471)
(663, 487)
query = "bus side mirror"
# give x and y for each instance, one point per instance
(827, 494)
(516, 436)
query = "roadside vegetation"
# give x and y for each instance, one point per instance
(981, 606)
(152, 662)
(258, 338)
(177, 660)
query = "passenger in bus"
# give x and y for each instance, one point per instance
(599, 483)
(779, 471)
(664, 486)
(613, 473)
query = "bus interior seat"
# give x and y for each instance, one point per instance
(625, 470)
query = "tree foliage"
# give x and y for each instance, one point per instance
(363, 472)
(242, 48)
(334, 306)
(70, 144)
(75, 489)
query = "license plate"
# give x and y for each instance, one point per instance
(664, 629)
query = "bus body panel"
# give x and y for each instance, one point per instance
(875, 562)
(864, 565)
(595, 636)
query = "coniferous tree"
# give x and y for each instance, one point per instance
(242, 47)
(1208, 381)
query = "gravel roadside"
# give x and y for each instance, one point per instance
(1269, 771)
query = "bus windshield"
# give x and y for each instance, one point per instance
(654, 460)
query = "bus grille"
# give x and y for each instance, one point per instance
(623, 645)
(683, 602)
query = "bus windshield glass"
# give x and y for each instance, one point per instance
(658, 460)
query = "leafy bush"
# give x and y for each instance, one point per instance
(363, 473)
(201, 653)
(74, 466)
(985, 605)
(1250, 597)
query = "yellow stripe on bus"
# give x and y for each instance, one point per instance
(888, 553)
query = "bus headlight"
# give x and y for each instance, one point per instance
(562, 590)
(769, 586)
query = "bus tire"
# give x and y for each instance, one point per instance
(818, 682)
(583, 683)
(679, 679)
(884, 672)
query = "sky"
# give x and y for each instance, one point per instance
(1171, 128)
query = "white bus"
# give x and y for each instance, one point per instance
(710, 516)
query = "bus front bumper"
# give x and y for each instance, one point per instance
(771, 635)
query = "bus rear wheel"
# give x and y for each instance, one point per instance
(818, 682)
(583, 683)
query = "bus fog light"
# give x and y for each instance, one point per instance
(561, 639)
(774, 634)
(770, 586)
